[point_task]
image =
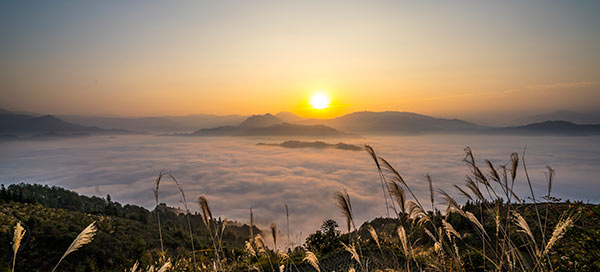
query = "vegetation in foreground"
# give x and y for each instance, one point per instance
(494, 230)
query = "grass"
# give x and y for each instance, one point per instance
(495, 230)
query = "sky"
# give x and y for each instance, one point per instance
(444, 58)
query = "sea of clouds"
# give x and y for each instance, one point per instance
(235, 174)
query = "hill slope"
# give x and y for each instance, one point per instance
(564, 115)
(53, 216)
(396, 122)
(28, 125)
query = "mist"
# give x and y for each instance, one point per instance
(236, 174)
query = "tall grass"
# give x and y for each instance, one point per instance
(17, 237)
(156, 192)
(84, 238)
(187, 216)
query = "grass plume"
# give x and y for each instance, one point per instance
(84, 238)
(17, 237)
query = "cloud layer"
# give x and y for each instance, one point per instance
(235, 174)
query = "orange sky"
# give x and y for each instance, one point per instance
(160, 58)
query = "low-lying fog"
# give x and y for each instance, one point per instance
(236, 173)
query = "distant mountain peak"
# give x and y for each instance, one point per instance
(257, 121)
(5, 111)
(561, 114)
(289, 117)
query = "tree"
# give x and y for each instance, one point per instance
(325, 240)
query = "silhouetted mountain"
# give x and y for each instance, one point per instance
(284, 129)
(392, 122)
(195, 121)
(551, 128)
(139, 124)
(316, 144)
(267, 125)
(564, 115)
(289, 117)
(47, 125)
(5, 111)
(258, 121)
(157, 123)
(287, 129)
(218, 131)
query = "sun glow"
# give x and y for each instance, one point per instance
(319, 101)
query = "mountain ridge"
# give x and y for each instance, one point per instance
(48, 125)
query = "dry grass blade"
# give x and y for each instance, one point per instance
(312, 260)
(430, 189)
(287, 219)
(187, 216)
(206, 213)
(430, 234)
(134, 268)
(550, 175)
(156, 193)
(497, 211)
(259, 244)
(282, 255)
(524, 227)
(251, 225)
(465, 194)
(450, 230)
(469, 155)
(398, 193)
(474, 188)
(390, 168)
(452, 204)
(207, 219)
(343, 202)
(84, 238)
(224, 226)
(470, 159)
(514, 157)
(560, 230)
(17, 237)
(416, 212)
(374, 235)
(352, 251)
(165, 267)
(474, 220)
(371, 152)
(403, 240)
(250, 248)
(493, 173)
(274, 233)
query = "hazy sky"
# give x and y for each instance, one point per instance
(443, 58)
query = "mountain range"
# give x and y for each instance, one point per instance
(269, 125)
(157, 123)
(559, 115)
(14, 125)
(286, 124)
(393, 122)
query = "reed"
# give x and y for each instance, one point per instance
(156, 192)
(84, 238)
(18, 235)
(187, 216)
(311, 258)
(208, 219)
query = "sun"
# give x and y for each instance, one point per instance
(319, 101)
